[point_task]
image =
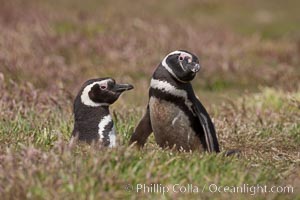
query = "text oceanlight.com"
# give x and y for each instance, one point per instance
(212, 188)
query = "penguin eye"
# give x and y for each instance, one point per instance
(103, 87)
(181, 58)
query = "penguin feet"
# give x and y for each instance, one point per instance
(233, 152)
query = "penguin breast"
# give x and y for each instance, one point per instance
(171, 126)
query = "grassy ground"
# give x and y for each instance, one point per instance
(250, 54)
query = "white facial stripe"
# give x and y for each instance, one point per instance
(179, 52)
(104, 122)
(185, 54)
(182, 67)
(85, 99)
(168, 88)
(166, 66)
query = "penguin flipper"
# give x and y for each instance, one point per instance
(142, 131)
(211, 140)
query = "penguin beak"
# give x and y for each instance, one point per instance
(122, 87)
(194, 67)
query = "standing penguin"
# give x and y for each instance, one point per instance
(174, 114)
(93, 122)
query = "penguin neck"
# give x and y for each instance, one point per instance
(164, 81)
(104, 110)
(101, 110)
(163, 75)
(89, 113)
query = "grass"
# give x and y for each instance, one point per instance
(249, 83)
(38, 161)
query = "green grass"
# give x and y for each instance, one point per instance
(38, 161)
(249, 82)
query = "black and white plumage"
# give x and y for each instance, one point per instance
(93, 122)
(174, 114)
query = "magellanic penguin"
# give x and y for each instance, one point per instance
(93, 122)
(174, 114)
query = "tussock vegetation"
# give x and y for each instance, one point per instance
(249, 82)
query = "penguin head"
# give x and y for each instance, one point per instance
(102, 92)
(182, 65)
